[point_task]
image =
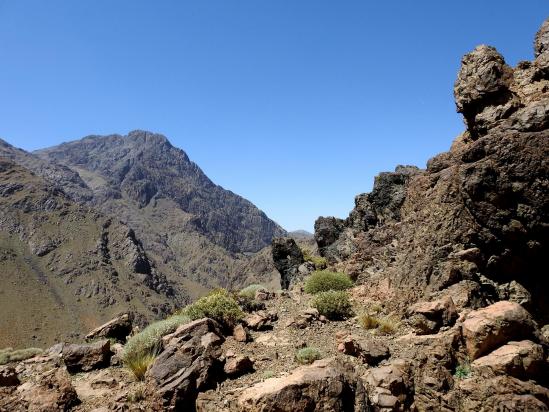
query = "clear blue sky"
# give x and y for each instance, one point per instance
(293, 104)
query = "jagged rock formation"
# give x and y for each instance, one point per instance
(476, 220)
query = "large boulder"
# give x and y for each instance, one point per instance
(483, 82)
(326, 385)
(488, 328)
(287, 258)
(8, 376)
(524, 360)
(84, 358)
(501, 393)
(189, 364)
(118, 329)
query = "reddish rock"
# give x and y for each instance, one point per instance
(389, 386)
(238, 365)
(429, 317)
(486, 329)
(240, 334)
(326, 385)
(50, 391)
(523, 360)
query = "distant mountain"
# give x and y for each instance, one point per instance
(301, 234)
(193, 235)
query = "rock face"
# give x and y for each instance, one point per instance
(478, 214)
(322, 386)
(287, 258)
(189, 364)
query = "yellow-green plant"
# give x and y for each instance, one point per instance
(307, 355)
(324, 280)
(219, 305)
(334, 304)
(141, 349)
(8, 355)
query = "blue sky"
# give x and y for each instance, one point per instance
(295, 105)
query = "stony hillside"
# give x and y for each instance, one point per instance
(66, 268)
(441, 307)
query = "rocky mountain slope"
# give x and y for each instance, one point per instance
(191, 235)
(199, 234)
(448, 299)
(66, 268)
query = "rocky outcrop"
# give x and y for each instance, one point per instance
(324, 385)
(477, 214)
(189, 364)
(287, 258)
(118, 329)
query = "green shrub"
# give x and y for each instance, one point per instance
(141, 349)
(249, 291)
(219, 305)
(323, 281)
(306, 356)
(367, 321)
(8, 355)
(319, 261)
(334, 304)
(463, 371)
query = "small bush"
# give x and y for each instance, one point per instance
(141, 349)
(136, 395)
(268, 374)
(319, 261)
(323, 281)
(388, 325)
(367, 321)
(219, 305)
(333, 304)
(306, 356)
(463, 371)
(8, 355)
(249, 291)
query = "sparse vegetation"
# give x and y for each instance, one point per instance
(8, 355)
(323, 281)
(268, 374)
(368, 321)
(141, 349)
(319, 261)
(137, 395)
(249, 291)
(463, 371)
(218, 305)
(307, 355)
(334, 304)
(388, 325)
